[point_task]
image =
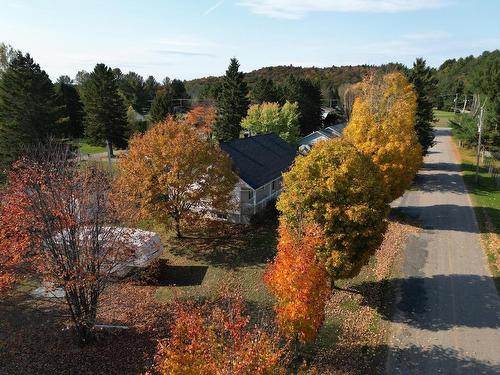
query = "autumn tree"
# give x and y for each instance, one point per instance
(382, 126)
(59, 216)
(424, 83)
(216, 338)
(202, 118)
(232, 103)
(14, 238)
(171, 173)
(341, 191)
(299, 282)
(105, 113)
(273, 118)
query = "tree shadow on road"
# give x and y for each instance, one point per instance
(474, 297)
(409, 360)
(446, 216)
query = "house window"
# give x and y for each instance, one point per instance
(250, 195)
(273, 186)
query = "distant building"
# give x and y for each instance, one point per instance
(259, 161)
(334, 131)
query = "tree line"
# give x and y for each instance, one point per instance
(461, 83)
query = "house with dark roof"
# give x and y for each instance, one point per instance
(330, 132)
(259, 161)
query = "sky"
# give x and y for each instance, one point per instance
(188, 39)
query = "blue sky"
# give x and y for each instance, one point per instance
(195, 38)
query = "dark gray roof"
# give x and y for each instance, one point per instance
(259, 159)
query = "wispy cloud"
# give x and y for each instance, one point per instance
(409, 45)
(213, 7)
(294, 9)
(183, 53)
(185, 45)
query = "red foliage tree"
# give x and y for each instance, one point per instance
(300, 283)
(14, 238)
(57, 217)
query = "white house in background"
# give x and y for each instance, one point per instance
(333, 131)
(259, 161)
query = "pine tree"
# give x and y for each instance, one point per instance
(308, 95)
(232, 103)
(425, 84)
(72, 107)
(264, 91)
(28, 109)
(163, 104)
(150, 87)
(105, 112)
(132, 89)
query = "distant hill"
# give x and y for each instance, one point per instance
(329, 78)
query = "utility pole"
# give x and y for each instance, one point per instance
(480, 131)
(109, 148)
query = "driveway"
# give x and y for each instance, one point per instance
(447, 315)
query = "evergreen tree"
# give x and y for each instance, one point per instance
(308, 96)
(425, 85)
(163, 104)
(179, 92)
(150, 88)
(232, 103)
(179, 89)
(264, 91)
(132, 88)
(28, 108)
(72, 107)
(105, 114)
(486, 81)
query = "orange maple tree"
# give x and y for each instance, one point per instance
(202, 118)
(216, 338)
(300, 283)
(172, 174)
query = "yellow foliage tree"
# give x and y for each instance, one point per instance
(382, 126)
(171, 173)
(273, 118)
(341, 190)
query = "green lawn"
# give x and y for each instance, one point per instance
(85, 148)
(443, 118)
(486, 199)
(200, 264)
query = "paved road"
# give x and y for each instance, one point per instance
(447, 319)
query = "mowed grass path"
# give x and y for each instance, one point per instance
(443, 118)
(486, 200)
